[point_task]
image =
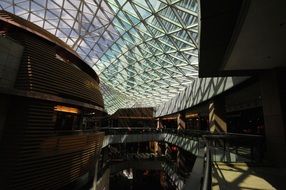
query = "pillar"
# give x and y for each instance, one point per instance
(159, 124)
(4, 103)
(273, 95)
(181, 124)
(216, 116)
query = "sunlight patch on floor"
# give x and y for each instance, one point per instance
(237, 176)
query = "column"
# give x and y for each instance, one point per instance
(273, 96)
(159, 124)
(216, 116)
(93, 174)
(181, 124)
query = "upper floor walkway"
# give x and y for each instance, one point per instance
(229, 147)
(223, 161)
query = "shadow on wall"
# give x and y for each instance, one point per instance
(200, 90)
(217, 124)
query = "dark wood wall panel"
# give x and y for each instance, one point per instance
(41, 71)
(45, 159)
(33, 153)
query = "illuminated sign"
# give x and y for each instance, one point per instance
(66, 109)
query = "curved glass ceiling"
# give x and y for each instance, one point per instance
(144, 51)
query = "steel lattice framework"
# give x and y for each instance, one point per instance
(144, 51)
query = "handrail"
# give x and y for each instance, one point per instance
(118, 128)
(227, 143)
(207, 179)
(232, 135)
(206, 185)
(68, 132)
(184, 131)
(152, 129)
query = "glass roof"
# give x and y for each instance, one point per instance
(144, 51)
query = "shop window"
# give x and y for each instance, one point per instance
(67, 118)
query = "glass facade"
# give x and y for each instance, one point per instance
(144, 51)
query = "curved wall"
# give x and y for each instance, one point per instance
(202, 89)
(49, 101)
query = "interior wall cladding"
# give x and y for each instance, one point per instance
(33, 154)
(202, 89)
(41, 71)
(36, 156)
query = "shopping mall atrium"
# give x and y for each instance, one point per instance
(142, 94)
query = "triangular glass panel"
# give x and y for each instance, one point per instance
(142, 4)
(19, 10)
(169, 15)
(142, 13)
(113, 5)
(36, 7)
(24, 5)
(89, 9)
(129, 9)
(39, 23)
(6, 6)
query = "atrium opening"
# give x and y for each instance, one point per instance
(142, 94)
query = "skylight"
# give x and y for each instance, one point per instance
(144, 51)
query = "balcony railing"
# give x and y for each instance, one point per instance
(225, 147)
